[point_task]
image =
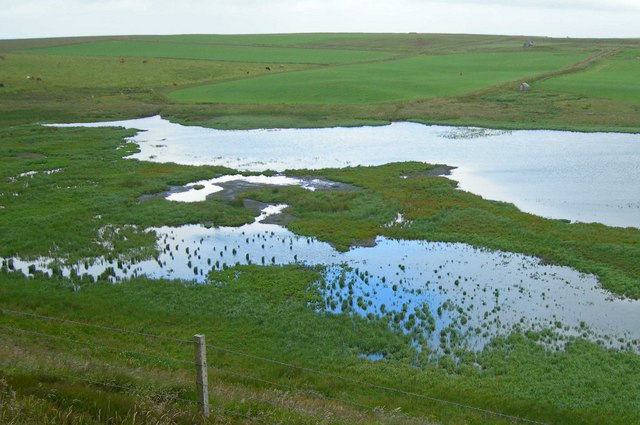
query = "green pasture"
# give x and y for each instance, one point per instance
(417, 77)
(215, 52)
(394, 42)
(406, 77)
(276, 40)
(613, 78)
(447, 43)
(52, 73)
(405, 43)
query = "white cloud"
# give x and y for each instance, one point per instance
(584, 5)
(576, 18)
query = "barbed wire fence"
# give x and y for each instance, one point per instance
(201, 370)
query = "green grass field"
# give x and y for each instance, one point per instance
(615, 78)
(272, 40)
(219, 52)
(60, 372)
(102, 74)
(323, 79)
(418, 77)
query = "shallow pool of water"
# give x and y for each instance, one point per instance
(446, 295)
(577, 176)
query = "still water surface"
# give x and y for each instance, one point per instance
(588, 177)
(445, 295)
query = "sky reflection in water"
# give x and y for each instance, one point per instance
(445, 295)
(577, 176)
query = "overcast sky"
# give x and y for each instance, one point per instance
(558, 18)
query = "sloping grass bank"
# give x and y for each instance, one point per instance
(268, 312)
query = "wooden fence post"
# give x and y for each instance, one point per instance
(202, 386)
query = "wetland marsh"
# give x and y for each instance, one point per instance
(568, 175)
(448, 296)
(491, 260)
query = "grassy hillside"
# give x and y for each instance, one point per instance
(417, 77)
(313, 81)
(614, 78)
(220, 52)
(313, 372)
(100, 76)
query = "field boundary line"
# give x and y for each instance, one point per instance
(377, 386)
(125, 388)
(96, 346)
(108, 328)
(254, 357)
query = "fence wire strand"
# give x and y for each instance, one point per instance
(376, 386)
(95, 346)
(218, 409)
(92, 325)
(253, 357)
(289, 387)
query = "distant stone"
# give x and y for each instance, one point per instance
(524, 87)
